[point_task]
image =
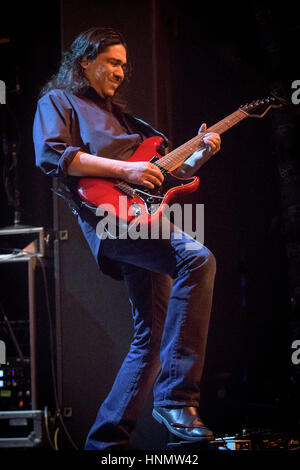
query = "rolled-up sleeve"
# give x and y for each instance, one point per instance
(52, 134)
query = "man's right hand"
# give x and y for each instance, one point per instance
(143, 173)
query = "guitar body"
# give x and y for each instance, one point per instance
(131, 203)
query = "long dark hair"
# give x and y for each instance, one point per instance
(90, 44)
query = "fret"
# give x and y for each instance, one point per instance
(228, 122)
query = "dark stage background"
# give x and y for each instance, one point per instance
(190, 65)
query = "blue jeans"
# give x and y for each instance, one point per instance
(170, 289)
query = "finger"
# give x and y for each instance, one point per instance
(213, 141)
(211, 147)
(153, 180)
(213, 136)
(147, 184)
(156, 172)
(210, 143)
(203, 128)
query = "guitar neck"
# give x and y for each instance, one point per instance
(174, 159)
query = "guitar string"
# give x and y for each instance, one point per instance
(178, 155)
(175, 156)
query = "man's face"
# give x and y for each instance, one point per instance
(106, 72)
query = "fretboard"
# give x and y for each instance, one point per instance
(174, 159)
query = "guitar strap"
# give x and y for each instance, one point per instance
(134, 124)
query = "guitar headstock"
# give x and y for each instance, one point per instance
(260, 107)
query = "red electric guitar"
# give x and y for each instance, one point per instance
(143, 205)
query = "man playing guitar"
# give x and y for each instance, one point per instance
(81, 132)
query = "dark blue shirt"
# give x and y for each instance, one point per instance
(64, 124)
